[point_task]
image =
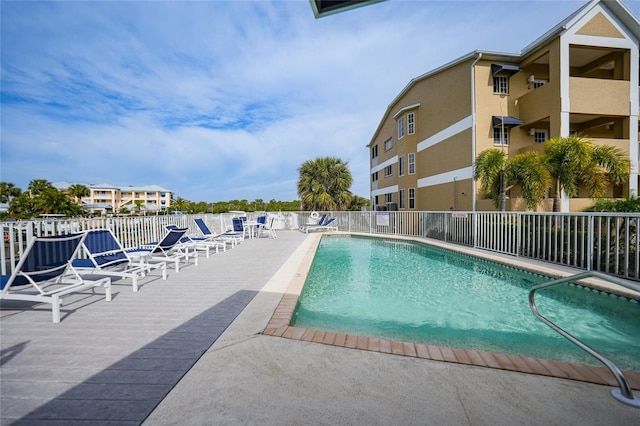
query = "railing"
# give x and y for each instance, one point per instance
(624, 394)
(604, 242)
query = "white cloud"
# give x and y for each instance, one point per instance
(220, 100)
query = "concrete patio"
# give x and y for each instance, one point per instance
(189, 350)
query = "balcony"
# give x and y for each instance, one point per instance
(621, 144)
(597, 96)
(534, 105)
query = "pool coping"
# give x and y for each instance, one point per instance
(279, 326)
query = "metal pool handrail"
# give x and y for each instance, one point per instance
(624, 394)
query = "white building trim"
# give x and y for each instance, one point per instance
(465, 173)
(450, 131)
(381, 166)
(386, 190)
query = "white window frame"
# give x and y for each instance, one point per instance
(374, 177)
(401, 197)
(497, 141)
(540, 136)
(388, 144)
(539, 83)
(411, 123)
(501, 84)
(411, 159)
(374, 151)
(401, 165)
(388, 198)
(388, 171)
(401, 127)
(412, 198)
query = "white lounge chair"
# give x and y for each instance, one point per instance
(231, 237)
(328, 225)
(44, 273)
(167, 250)
(106, 256)
(200, 243)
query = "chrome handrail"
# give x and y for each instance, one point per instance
(625, 393)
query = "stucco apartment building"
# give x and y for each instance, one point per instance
(106, 198)
(580, 77)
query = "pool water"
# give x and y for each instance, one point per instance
(413, 292)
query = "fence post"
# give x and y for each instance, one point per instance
(590, 248)
(518, 232)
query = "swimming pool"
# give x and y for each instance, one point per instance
(409, 291)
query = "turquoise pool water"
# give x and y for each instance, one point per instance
(413, 292)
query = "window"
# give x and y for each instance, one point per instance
(401, 165)
(540, 136)
(388, 198)
(412, 198)
(412, 163)
(375, 201)
(401, 198)
(500, 138)
(411, 126)
(374, 151)
(388, 171)
(539, 83)
(500, 84)
(388, 144)
(374, 177)
(400, 127)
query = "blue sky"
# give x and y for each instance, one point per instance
(221, 100)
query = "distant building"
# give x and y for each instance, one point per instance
(106, 198)
(579, 77)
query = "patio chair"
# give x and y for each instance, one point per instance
(325, 226)
(267, 228)
(312, 221)
(200, 243)
(167, 250)
(239, 227)
(106, 256)
(43, 274)
(232, 238)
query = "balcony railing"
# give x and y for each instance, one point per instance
(603, 242)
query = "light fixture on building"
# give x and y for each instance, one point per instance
(532, 132)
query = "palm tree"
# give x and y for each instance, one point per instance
(529, 173)
(489, 169)
(139, 205)
(78, 191)
(324, 184)
(574, 160)
(8, 191)
(38, 186)
(358, 202)
(180, 204)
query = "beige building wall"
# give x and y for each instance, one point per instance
(582, 77)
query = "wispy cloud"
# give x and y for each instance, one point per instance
(220, 100)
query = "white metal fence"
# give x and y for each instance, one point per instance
(604, 242)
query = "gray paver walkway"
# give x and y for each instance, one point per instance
(113, 362)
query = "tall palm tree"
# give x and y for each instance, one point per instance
(489, 169)
(8, 191)
(529, 173)
(574, 160)
(324, 184)
(78, 191)
(38, 186)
